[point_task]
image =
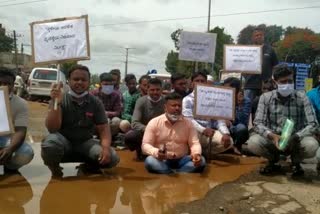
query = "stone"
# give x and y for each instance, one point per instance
(256, 183)
(289, 207)
(221, 208)
(254, 190)
(252, 209)
(266, 204)
(284, 197)
(275, 188)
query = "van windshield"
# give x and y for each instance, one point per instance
(45, 74)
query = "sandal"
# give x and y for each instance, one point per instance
(270, 169)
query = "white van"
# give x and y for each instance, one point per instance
(40, 81)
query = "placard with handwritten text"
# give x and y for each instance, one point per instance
(244, 59)
(60, 40)
(214, 102)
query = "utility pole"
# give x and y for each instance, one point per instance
(126, 62)
(209, 15)
(15, 50)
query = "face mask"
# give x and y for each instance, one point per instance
(285, 89)
(74, 94)
(173, 117)
(107, 89)
(154, 101)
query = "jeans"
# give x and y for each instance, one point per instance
(262, 146)
(240, 134)
(56, 149)
(22, 156)
(183, 164)
(252, 93)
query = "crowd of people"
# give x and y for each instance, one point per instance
(162, 129)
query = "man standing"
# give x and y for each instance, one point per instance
(130, 98)
(179, 84)
(14, 152)
(218, 130)
(147, 108)
(73, 124)
(274, 109)
(111, 101)
(168, 139)
(253, 83)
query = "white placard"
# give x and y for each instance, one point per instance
(5, 115)
(199, 47)
(60, 40)
(244, 59)
(212, 102)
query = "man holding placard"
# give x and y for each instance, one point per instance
(72, 125)
(217, 129)
(269, 60)
(14, 152)
(277, 111)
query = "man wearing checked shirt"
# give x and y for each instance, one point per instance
(274, 108)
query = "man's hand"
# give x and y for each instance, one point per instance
(161, 155)
(226, 140)
(104, 156)
(293, 143)
(5, 155)
(56, 92)
(228, 123)
(208, 132)
(196, 159)
(275, 139)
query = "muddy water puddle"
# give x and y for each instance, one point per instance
(125, 189)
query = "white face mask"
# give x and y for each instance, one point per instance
(74, 94)
(107, 89)
(173, 117)
(154, 101)
(285, 89)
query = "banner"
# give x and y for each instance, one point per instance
(243, 59)
(199, 47)
(213, 102)
(6, 126)
(59, 40)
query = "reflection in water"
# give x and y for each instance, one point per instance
(15, 193)
(73, 195)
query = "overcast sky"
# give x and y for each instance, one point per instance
(151, 40)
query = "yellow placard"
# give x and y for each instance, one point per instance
(308, 83)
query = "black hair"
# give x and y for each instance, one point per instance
(155, 81)
(106, 77)
(78, 67)
(130, 77)
(177, 76)
(173, 96)
(269, 82)
(116, 72)
(147, 77)
(281, 70)
(234, 83)
(199, 73)
(6, 72)
(260, 29)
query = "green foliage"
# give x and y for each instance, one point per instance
(6, 43)
(94, 79)
(273, 33)
(65, 67)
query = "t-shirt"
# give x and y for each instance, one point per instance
(19, 111)
(79, 121)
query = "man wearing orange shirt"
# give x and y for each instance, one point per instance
(168, 139)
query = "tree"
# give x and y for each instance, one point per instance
(6, 43)
(65, 67)
(174, 65)
(273, 34)
(299, 46)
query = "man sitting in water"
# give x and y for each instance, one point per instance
(168, 139)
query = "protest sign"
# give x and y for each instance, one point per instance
(244, 59)
(308, 84)
(6, 126)
(214, 102)
(59, 40)
(199, 47)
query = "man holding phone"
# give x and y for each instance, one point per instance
(168, 139)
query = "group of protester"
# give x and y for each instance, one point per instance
(163, 130)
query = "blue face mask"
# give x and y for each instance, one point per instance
(107, 89)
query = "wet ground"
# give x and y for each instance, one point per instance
(126, 189)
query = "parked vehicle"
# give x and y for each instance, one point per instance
(40, 81)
